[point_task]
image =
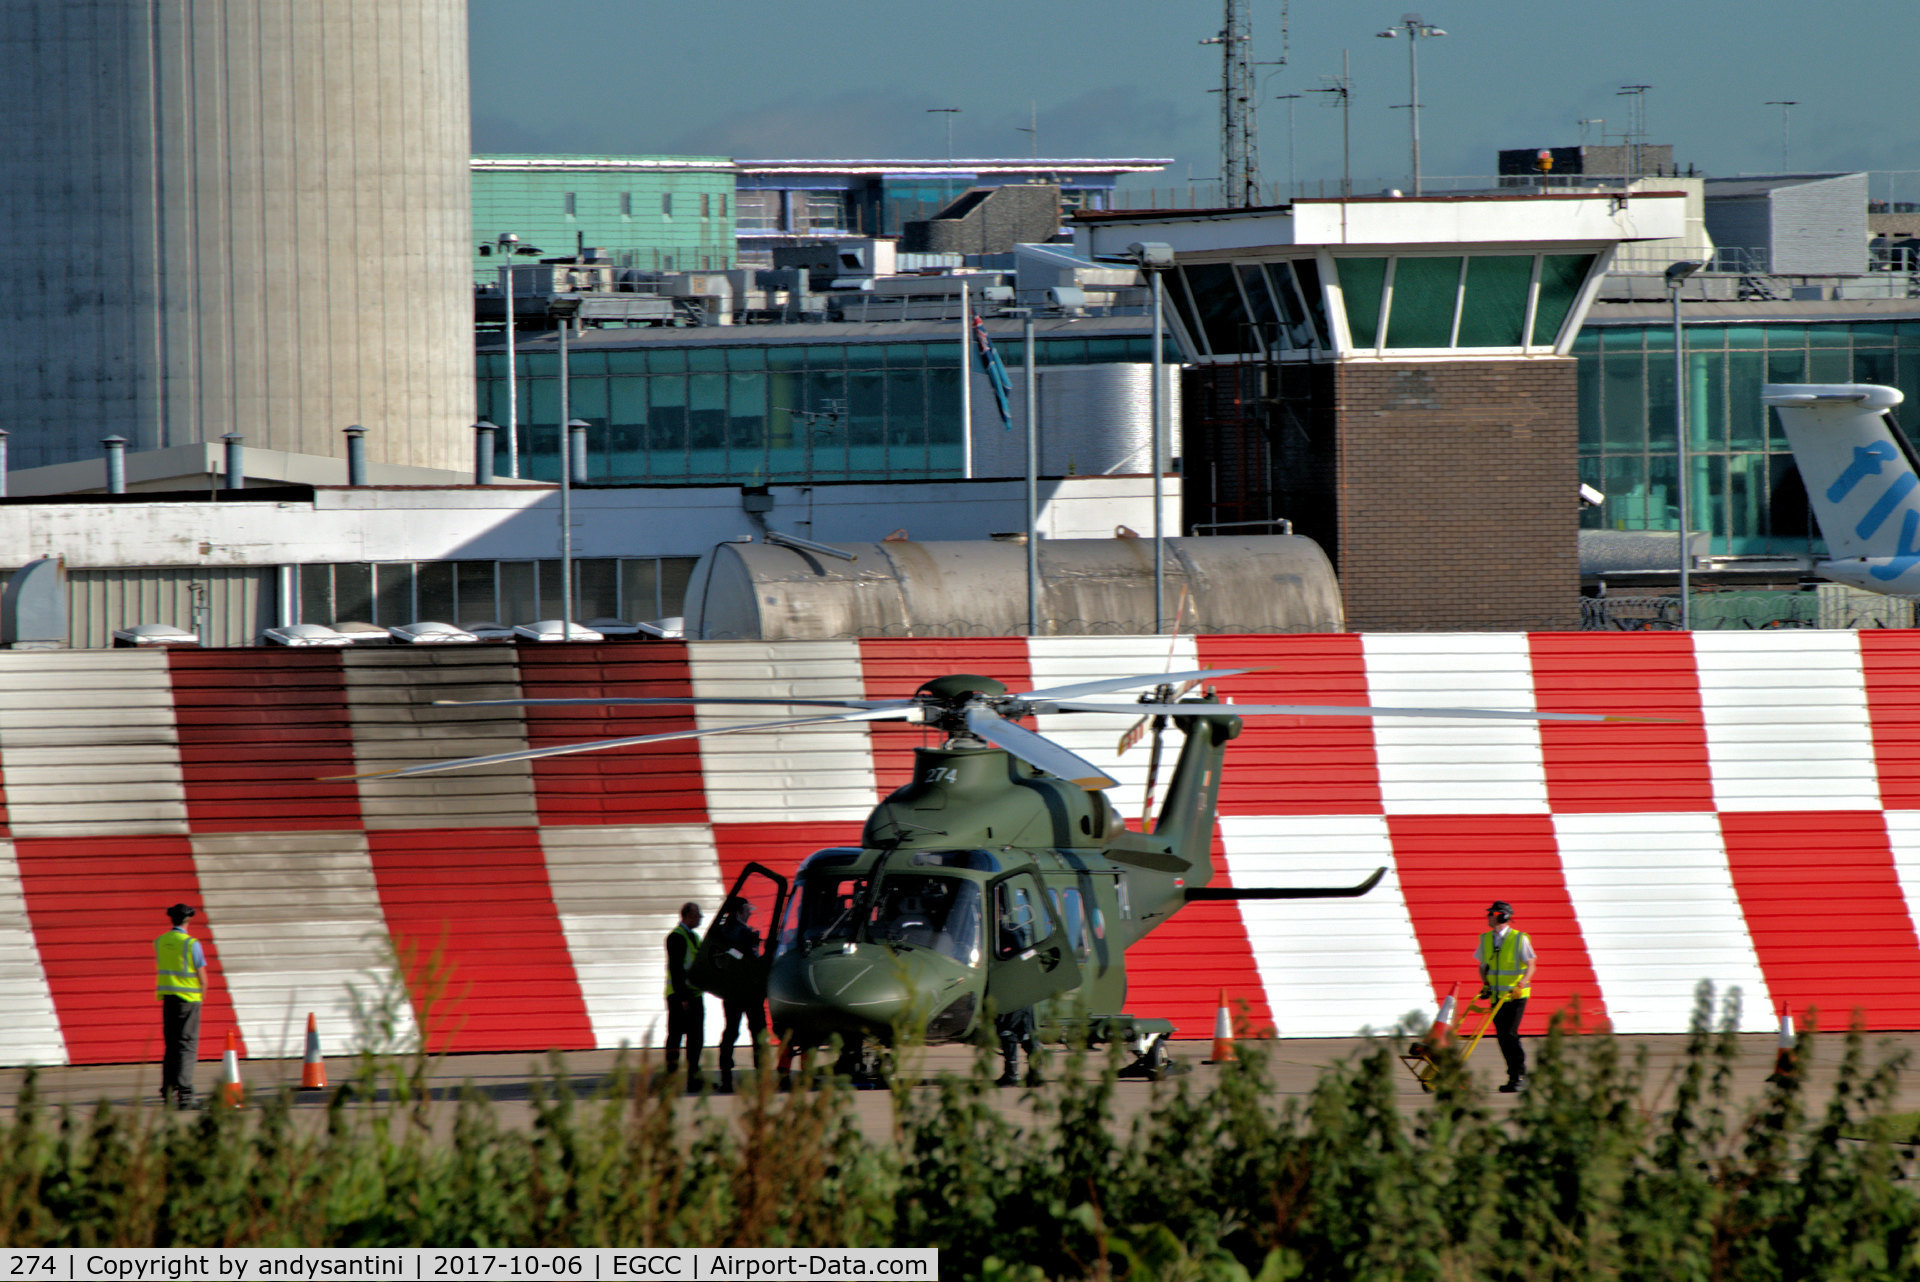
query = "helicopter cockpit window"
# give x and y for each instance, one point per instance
(824, 909)
(1019, 916)
(940, 913)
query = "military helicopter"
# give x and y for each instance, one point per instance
(999, 877)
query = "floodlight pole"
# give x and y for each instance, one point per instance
(508, 242)
(1677, 274)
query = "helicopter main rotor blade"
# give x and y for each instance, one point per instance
(1035, 751)
(1308, 710)
(690, 699)
(1128, 683)
(597, 745)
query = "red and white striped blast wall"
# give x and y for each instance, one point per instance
(1765, 836)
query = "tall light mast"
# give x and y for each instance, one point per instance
(1239, 122)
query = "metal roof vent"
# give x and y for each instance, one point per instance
(151, 634)
(431, 634)
(555, 630)
(305, 634)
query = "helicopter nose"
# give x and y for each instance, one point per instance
(865, 987)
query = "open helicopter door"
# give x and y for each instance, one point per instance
(732, 960)
(1028, 957)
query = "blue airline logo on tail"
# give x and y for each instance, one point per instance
(1871, 460)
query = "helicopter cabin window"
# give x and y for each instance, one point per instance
(1020, 917)
(1126, 908)
(919, 911)
(1067, 906)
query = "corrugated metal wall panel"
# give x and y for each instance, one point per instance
(618, 892)
(1890, 663)
(654, 783)
(807, 776)
(473, 918)
(1453, 866)
(96, 904)
(1633, 767)
(1455, 767)
(302, 932)
(1659, 917)
(27, 1016)
(224, 607)
(1633, 906)
(257, 741)
(88, 745)
(1823, 902)
(391, 693)
(1297, 765)
(1330, 966)
(1786, 721)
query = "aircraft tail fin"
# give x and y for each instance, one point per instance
(1859, 471)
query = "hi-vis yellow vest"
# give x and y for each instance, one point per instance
(691, 942)
(178, 977)
(1503, 964)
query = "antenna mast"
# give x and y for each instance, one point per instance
(1239, 121)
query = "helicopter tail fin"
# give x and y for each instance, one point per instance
(1193, 795)
(1860, 477)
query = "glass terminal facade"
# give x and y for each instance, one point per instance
(756, 414)
(1745, 490)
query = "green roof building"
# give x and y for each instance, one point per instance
(653, 213)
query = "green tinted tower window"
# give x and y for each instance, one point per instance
(1361, 280)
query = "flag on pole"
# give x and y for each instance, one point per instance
(996, 372)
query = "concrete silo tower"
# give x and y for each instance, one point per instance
(235, 216)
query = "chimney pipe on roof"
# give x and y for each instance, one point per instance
(356, 455)
(236, 461)
(116, 464)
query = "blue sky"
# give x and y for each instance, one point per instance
(853, 78)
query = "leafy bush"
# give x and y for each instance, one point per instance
(1598, 1171)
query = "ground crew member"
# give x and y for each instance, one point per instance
(181, 985)
(1506, 961)
(743, 941)
(686, 1009)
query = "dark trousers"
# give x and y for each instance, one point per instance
(755, 1016)
(180, 1025)
(686, 1018)
(1506, 1027)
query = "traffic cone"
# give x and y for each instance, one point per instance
(1441, 1030)
(231, 1088)
(1783, 1057)
(1222, 1033)
(313, 1073)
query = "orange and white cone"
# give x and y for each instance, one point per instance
(232, 1091)
(1783, 1057)
(1442, 1027)
(1222, 1032)
(313, 1072)
(1441, 1030)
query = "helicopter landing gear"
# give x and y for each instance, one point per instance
(1152, 1062)
(864, 1064)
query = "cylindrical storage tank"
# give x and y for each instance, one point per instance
(235, 216)
(1095, 420)
(1261, 584)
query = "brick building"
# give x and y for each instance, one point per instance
(1393, 377)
